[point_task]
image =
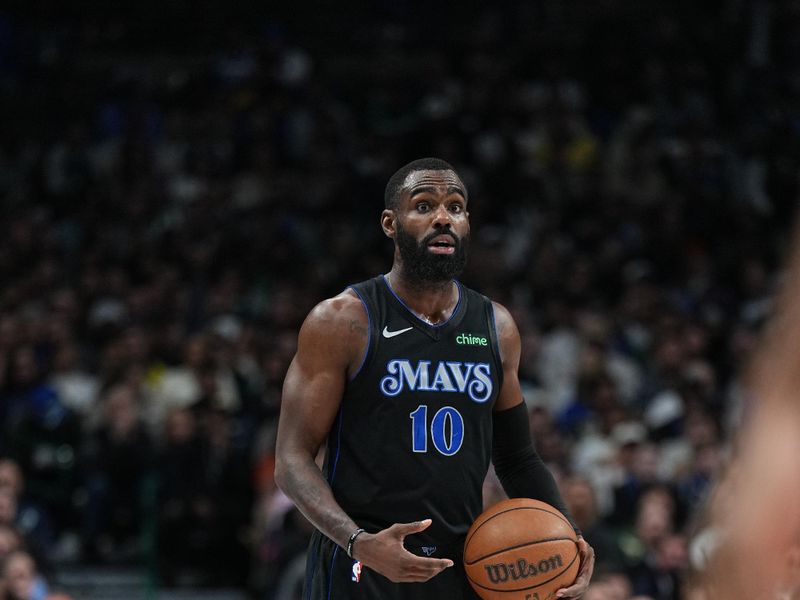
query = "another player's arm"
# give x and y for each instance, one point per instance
(516, 462)
(331, 346)
(756, 503)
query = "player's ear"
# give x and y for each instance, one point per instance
(387, 223)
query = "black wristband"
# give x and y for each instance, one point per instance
(517, 464)
(352, 541)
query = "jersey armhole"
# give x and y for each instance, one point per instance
(494, 340)
(371, 334)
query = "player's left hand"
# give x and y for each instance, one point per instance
(577, 589)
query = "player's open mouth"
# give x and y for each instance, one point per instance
(442, 244)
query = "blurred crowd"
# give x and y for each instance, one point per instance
(180, 184)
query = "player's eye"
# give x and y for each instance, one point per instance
(457, 207)
(423, 207)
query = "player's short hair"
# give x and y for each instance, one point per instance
(391, 196)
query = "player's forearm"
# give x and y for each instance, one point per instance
(518, 465)
(302, 481)
(524, 475)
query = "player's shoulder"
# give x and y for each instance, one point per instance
(504, 321)
(334, 334)
(343, 313)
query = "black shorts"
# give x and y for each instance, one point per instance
(332, 575)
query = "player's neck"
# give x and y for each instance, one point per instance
(431, 301)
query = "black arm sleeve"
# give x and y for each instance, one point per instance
(518, 465)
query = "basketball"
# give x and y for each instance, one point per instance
(521, 549)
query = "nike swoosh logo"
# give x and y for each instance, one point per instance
(391, 334)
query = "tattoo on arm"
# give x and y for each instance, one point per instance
(501, 327)
(312, 494)
(358, 327)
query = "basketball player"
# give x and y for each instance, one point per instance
(412, 379)
(756, 512)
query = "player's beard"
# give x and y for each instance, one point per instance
(423, 266)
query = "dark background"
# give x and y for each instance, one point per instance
(182, 181)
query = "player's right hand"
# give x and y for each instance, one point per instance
(384, 553)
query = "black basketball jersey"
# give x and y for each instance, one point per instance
(413, 437)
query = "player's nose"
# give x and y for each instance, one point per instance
(442, 217)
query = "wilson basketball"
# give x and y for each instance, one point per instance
(521, 549)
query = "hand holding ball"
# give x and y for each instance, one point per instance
(521, 549)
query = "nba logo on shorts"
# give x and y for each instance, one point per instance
(356, 571)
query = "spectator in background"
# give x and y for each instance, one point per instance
(205, 496)
(77, 388)
(182, 506)
(29, 522)
(202, 377)
(580, 499)
(655, 521)
(660, 573)
(117, 457)
(291, 541)
(44, 437)
(706, 453)
(225, 497)
(610, 585)
(22, 581)
(280, 532)
(640, 460)
(596, 407)
(10, 540)
(552, 446)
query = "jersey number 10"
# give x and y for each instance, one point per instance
(446, 432)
